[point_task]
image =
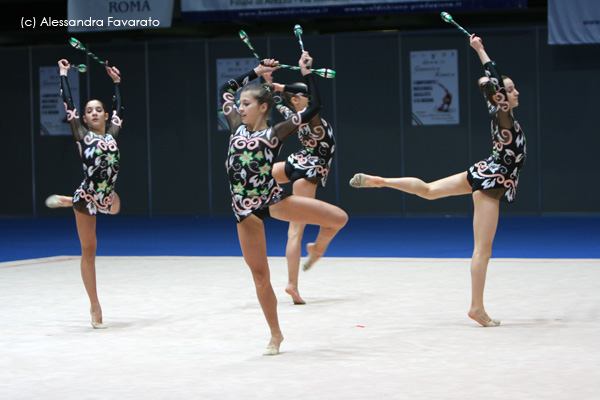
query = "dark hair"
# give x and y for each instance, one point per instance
(101, 102)
(263, 93)
(489, 90)
(287, 95)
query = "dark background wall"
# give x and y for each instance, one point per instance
(172, 155)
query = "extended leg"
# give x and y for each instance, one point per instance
(450, 186)
(314, 212)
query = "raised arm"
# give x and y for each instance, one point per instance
(285, 111)
(295, 89)
(502, 109)
(291, 125)
(77, 127)
(228, 89)
(116, 118)
(227, 96)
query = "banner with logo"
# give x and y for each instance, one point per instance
(434, 87)
(573, 21)
(220, 10)
(110, 15)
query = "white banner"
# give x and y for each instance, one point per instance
(53, 117)
(434, 84)
(220, 5)
(110, 15)
(229, 68)
(573, 21)
(223, 10)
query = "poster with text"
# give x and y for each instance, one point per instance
(434, 87)
(229, 68)
(53, 117)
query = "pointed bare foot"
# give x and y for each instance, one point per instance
(313, 257)
(361, 180)
(358, 180)
(97, 320)
(483, 319)
(273, 347)
(292, 291)
(55, 201)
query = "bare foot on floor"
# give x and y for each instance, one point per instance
(361, 180)
(292, 291)
(97, 320)
(273, 347)
(483, 319)
(313, 257)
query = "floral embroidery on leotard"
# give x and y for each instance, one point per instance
(249, 167)
(100, 156)
(314, 159)
(501, 169)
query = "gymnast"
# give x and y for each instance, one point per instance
(490, 180)
(96, 194)
(307, 169)
(253, 147)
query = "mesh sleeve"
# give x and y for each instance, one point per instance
(285, 111)
(291, 125)
(502, 111)
(117, 112)
(227, 93)
(77, 127)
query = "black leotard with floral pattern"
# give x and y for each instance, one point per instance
(313, 161)
(100, 156)
(252, 154)
(498, 175)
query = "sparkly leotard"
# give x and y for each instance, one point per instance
(100, 156)
(252, 154)
(313, 161)
(498, 175)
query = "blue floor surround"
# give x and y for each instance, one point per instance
(443, 237)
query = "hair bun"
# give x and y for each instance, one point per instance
(269, 86)
(489, 90)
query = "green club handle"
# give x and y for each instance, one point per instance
(246, 39)
(79, 46)
(446, 17)
(322, 72)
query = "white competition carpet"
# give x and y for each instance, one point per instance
(372, 328)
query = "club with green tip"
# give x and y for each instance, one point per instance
(80, 67)
(448, 18)
(322, 72)
(79, 46)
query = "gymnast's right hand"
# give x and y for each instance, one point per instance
(305, 63)
(266, 65)
(476, 42)
(64, 66)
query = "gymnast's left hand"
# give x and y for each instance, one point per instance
(305, 63)
(113, 72)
